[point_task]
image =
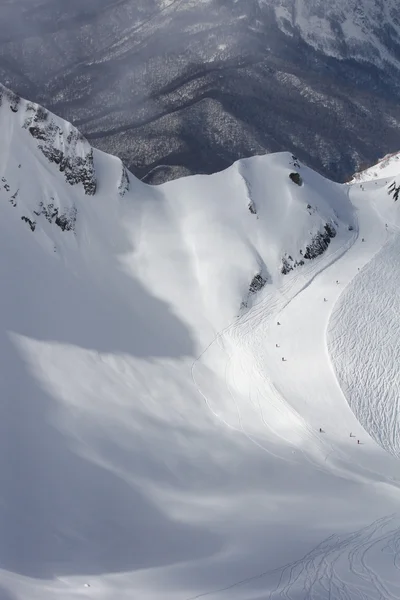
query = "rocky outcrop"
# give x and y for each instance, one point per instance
(257, 283)
(10, 97)
(69, 151)
(288, 264)
(124, 182)
(32, 224)
(65, 220)
(319, 243)
(296, 178)
(394, 190)
(76, 168)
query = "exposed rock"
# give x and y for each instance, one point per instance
(288, 264)
(65, 152)
(124, 182)
(13, 99)
(41, 115)
(257, 283)
(13, 199)
(295, 163)
(32, 224)
(296, 178)
(252, 208)
(37, 133)
(394, 190)
(320, 242)
(66, 220)
(317, 246)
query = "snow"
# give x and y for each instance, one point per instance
(154, 445)
(387, 167)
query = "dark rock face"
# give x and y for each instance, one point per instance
(394, 190)
(296, 178)
(71, 153)
(288, 264)
(65, 220)
(319, 243)
(252, 208)
(184, 87)
(76, 168)
(257, 283)
(123, 185)
(32, 224)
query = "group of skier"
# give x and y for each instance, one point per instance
(284, 360)
(351, 435)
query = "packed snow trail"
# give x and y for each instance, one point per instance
(230, 348)
(364, 341)
(307, 387)
(305, 380)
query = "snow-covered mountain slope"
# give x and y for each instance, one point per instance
(169, 357)
(387, 167)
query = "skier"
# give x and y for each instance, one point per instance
(276, 345)
(324, 299)
(337, 280)
(278, 323)
(362, 240)
(351, 435)
(283, 359)
(358, 441)
(320, 430)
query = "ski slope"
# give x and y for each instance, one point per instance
(154, 444)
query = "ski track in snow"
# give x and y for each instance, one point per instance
(365, 320)
(318, 574)
(202, 508)
(263, 314)
(336, 568)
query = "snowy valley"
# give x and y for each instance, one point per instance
(186, 372)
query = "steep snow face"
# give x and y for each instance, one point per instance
(171, 424)
(246, 212)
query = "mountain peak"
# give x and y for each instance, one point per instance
(57, 140)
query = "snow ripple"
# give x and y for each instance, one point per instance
(364, 343)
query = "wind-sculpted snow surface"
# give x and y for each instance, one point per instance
(364, 341)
